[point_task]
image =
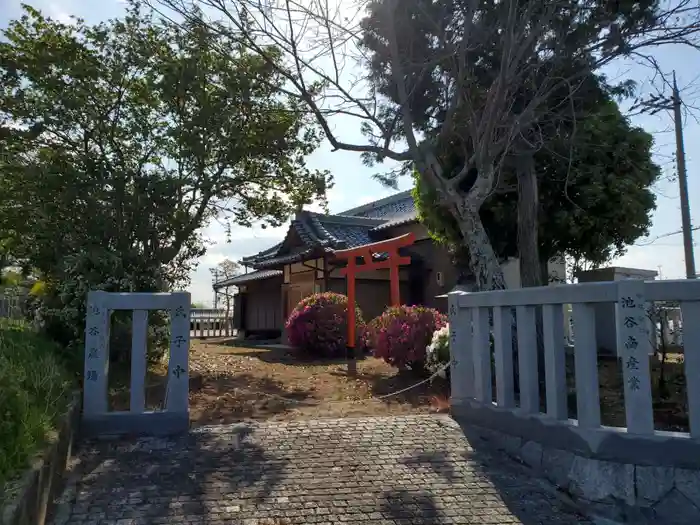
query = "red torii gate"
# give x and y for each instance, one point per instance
(392, 262)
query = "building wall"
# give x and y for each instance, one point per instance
(555, 267)
(372, 295)
(437, 273)
(263, 305)
(432, 266)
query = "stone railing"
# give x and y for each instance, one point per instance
(633, 472)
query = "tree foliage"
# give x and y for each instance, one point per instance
(226, 269)
(121, 140)
(593, 169)
(492, 72)
(590, 208)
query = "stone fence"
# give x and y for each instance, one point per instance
(636, 474)
(97, 417)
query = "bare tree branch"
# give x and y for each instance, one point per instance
(485, 112)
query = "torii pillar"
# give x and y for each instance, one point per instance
(392, 262)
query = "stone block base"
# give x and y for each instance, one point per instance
(621, 492)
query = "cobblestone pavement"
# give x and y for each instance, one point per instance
(385, 470)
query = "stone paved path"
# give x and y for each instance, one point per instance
(389, 470)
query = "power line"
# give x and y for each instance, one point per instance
(663, 236)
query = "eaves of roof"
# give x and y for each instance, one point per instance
(257, 275)
(399, 221)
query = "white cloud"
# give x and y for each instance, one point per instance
(201, 277)
(60, 12)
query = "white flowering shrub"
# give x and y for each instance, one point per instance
(438, 351)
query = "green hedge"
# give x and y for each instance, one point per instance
(35, 390)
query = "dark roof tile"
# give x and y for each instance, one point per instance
(335, 232)
(398, 221)
(258, 275)
(388, 208)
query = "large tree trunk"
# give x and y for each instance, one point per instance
(484, 263)
(528, 248)
(462, 264)
(544, 271)
(528, 206)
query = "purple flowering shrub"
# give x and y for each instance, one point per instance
(401, 334)
(318, 325)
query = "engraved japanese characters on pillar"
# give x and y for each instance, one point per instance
(178, 380)
(97, 418)
(452, 317)
(632, 327)
(462, 367)
(96, 358)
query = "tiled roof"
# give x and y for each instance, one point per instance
(388, 208)
(295, 255)
(344, 231)
(321, 233)
(258, 275)
(398, 221)
(270, 253)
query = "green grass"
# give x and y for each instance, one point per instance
(35, 390)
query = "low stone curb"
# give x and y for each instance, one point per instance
(43, 482)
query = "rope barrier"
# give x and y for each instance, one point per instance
(350, 401)
(442, 369)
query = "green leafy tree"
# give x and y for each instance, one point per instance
(121, 140)
(538, 196)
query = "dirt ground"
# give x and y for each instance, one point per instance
(230, 384)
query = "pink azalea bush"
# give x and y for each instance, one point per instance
(318, 325)
(401, 334)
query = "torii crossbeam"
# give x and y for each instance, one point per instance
(392, 262)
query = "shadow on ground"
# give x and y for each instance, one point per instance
(406, 387)
(156, 480)
(415, 470)
(224, 398)
(236, 384)
(286, 356)
(531, 502)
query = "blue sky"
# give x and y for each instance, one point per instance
(354, 184)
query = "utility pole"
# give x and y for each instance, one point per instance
(683, 184)
(655, 104)
(216, 292)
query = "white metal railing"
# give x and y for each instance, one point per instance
(210, 322)
(474, 316)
